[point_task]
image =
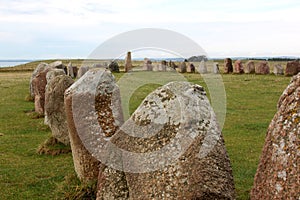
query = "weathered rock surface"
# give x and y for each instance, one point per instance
(238, 67)
(216, 68)
(250, 67)
(292, 68)
(182, 67)
(39, 83)
(70, 70)
(94, 114)
(82, 70)
(278, 176)
(58, 65)
(262, 68)
(278, 69)
(54, 107)
(114, 66)
(128, 62)
(52, 73)
(173, 149)
(202, 67)
(147, 66)
(228, 68)
(41, 67)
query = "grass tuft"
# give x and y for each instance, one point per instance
(72, 189)
(53, 147)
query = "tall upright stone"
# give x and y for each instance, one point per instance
(54, 107)
(94, 114)
(278, 69)
(277, 176)
(182, 67)
(262, 68)
(216, 68)
(128, 62)
(238, 67)
(202, 67)
(249, 67)
(70, 70)
(292, 68)
(173, 148)
(41, 67)
(228, 68)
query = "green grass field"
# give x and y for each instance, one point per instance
(24, 174)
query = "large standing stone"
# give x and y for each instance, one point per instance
(202, 67)
(147, 66)
(82, 70)
(92, 107)
(41, 67)
(182, 67)
(128, 62)
(278, 69)
(262, 68)
(178, 151)
(250, 67)
(55, 109)
(238, 67)
(292, 68)
(216, 68)
(58, 65)
(52, 73)
(70, 70)
(278, 176)
(228, 68)
(39, 83)
(114, 66)
(191, 68)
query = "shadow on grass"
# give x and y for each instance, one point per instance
(53, 147)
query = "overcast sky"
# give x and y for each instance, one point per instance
(73, 29)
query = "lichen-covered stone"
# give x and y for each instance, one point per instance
(41, 67)
(202, 67)
(292, 68)
(278, 69)
(278, 176)
(250, 67)
(172, 147)
(238, 67)
(55, 115)
(262, 68)
(93, 114)
(82, 70)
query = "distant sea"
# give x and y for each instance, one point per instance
(11, 63)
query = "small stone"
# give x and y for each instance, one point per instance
(238, 67)
(262, 68)
(250, 67)
(228, 68)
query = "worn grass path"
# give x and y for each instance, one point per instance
(251, 104)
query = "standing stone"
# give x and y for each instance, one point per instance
(70, 70)
(39, 83)
(41, 67)
(278, 69)
(52, 73)
(147, 66)
(163, 66)
(55, 109)
(190, 68)
(82, 70)
(228, 68)
(278, 176)
(114, 66)
(182, 67)
(292, 68)
(128, 62)
(202, 67)
(216, 68)
(250, 67)
(178, 151)
(94, 114)
(238, 67)
(59, 65)
(172, 65)
(262, 68)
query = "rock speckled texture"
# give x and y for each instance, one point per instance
(238, 67)
(172, 148)
(278, 174)
(92, 118)
(54, 107)
(262, 68)
(292, 68)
